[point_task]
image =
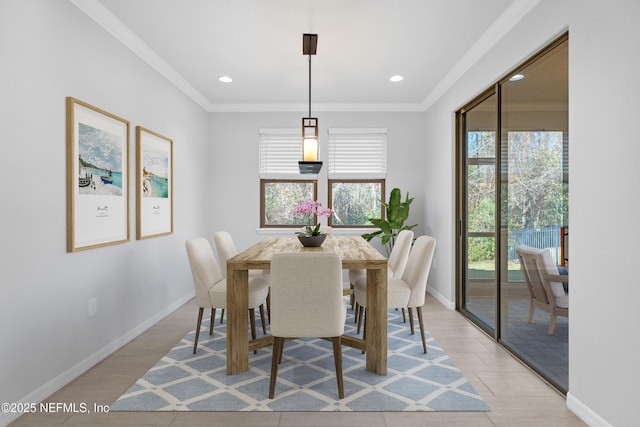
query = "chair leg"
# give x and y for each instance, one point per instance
(361, 311)
(252, 319)
(264, 325)
(411, 320)
(213, 317)
(404, 316)
(421, 321)
(352, 297)
(195, 341)
(337, 357)
(275, 360)
(269, 306)
(532, 309)
(552, 323)
(222, 316)
(356, 313)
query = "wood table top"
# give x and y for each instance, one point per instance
(354, 251)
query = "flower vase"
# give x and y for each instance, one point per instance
(312, 241)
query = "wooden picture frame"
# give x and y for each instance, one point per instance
(154, 184)
(97, 177)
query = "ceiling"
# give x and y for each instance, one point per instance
(258, 43)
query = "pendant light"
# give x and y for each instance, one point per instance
(309, 163)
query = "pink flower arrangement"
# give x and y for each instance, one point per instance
(308, 208)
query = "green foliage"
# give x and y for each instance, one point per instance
(355, 202)
(533, 187)
(481, 249)
(397, 213)
(308, 231)
(280, 199)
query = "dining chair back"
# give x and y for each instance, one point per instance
(205, 272)
(409, 290)
(211, 287)
(307, 301)
(226, 248)
(395, 267)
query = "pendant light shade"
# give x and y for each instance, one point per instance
(309, 163)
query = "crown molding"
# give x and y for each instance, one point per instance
(107, 20)
(500, 27)
(505, 22)
(297, 108)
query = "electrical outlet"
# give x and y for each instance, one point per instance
(93, 307)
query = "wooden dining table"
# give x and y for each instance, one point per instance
(355, 253)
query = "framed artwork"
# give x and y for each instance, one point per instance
(154, 184)
(97, 177)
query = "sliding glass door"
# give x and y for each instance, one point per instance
(478, 225)
(513, 179)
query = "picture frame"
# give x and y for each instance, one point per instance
(97, 177)
(154, 184)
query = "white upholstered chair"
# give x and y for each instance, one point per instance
(395, 266)
(306, 301)
(226, 249)
(410, 289)
(543, 283)
(211, 286)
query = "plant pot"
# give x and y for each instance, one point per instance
(312, 241)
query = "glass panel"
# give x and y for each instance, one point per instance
(534, 205)
(280, 199)
(479, 264)
(353, 203)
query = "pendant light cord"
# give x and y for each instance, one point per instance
(309, 85)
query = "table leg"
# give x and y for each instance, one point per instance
(376, 323)
(237, 308)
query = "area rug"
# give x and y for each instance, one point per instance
(182, 381)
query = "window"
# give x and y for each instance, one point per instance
(279, 198)
(354, 202)
(281, 185)
(357, 170)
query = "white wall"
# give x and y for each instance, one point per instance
(235, 183)
(50, 50)
(604, 65)
(604, 376)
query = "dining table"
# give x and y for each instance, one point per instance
(355, 253)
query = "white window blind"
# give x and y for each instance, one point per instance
(357, 154)
(280, 151)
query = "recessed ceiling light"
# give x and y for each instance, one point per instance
(396, 78)
(516, 77)
(225, 79)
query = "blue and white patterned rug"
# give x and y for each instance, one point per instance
(182, 381)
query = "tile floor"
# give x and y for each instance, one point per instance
(549, 353)
(515, 394)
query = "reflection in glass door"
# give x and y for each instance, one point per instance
(534, 206)
(479, 211)
(512, 190)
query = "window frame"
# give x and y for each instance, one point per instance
(330, 183)
(373, 173)
(264, 182)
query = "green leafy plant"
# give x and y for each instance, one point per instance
(397, 213)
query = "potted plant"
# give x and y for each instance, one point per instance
(311, 236)
(397, 213)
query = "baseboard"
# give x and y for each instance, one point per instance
(451, 305)
(585, 413)
(72, 373)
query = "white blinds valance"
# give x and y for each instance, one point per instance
(357, 154)
(280, 151)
